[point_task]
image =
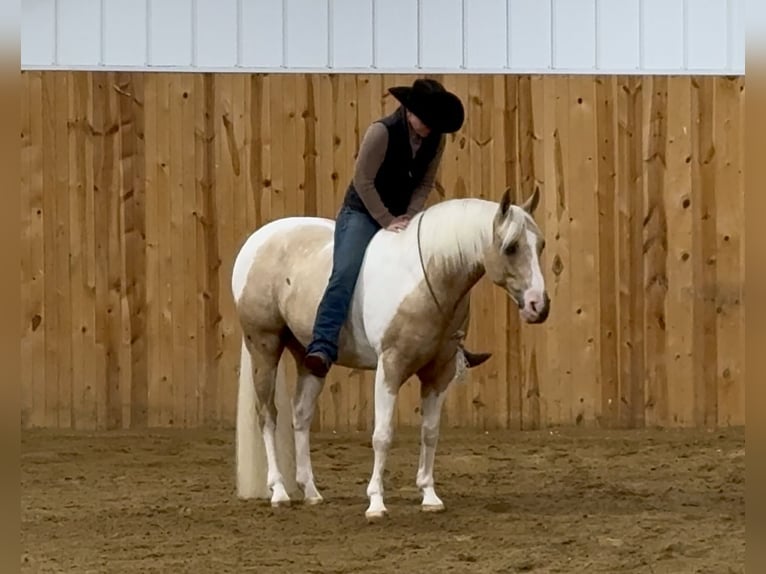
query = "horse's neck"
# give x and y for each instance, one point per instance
(453, 244)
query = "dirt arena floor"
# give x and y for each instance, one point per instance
(550, 501)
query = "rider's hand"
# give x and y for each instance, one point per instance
(398, 224)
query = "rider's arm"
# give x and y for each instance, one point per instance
(372, 151)
(421, 192)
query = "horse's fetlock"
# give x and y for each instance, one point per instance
(424, 481)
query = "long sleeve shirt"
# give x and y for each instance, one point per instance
(372, 151)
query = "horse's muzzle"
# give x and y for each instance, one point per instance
(535, 308)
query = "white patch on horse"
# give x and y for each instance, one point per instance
(453, 234)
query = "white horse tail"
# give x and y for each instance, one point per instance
(251, 452)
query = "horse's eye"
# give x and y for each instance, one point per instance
(511, 249)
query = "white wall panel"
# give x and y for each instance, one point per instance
(530, 34)
(261, 37)
(486, 45)
(663, 34)
(618, 34)
(38, 32)
(707, 28)
(79, 32)
(216, 33)
(124, 32)
(400, 36)
(396, 33)
(352, 33)
(170, 33)
(574, 34)
(307, 33)
(441, 29)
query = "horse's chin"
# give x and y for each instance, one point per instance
(533, 318)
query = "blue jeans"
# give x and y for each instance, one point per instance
(353, 231)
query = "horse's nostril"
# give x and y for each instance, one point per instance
(534, 306)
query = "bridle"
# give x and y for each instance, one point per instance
(458, 335)
(428, 283)
(423, 267)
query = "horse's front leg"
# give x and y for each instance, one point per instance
(435, 379)
(432, 399)
(386, 389)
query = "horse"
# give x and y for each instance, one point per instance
(408, 317)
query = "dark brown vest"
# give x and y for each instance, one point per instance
(400, 173)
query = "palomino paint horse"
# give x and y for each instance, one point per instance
(408, 317)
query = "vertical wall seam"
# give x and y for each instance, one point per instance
(284, 33)
(373, 34)
(330, 34)
(552, 63)
(463, 27)
(685, 34)
(101, 35)
(239, 56)
(56, 33)
(194, 32)
(148, 39)
(641, 55)
(596, 33)
(508, 34)
(419, 61)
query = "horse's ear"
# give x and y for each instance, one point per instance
(531, 203)
(505, 201)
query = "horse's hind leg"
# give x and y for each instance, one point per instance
(307, 390)
(266, 350)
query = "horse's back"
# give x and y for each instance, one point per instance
(267, 246)
(283, 268)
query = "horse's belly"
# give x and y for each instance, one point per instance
(299, 309)
(300, 274)
(299, 298)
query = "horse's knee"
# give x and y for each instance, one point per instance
(381, 438)
(302, 415)
(430, 433)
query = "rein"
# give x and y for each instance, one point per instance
(423, 267)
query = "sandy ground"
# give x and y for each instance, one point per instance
(551, 501)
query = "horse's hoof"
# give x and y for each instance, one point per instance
(375, 515)
(280, 503)
(313, 500)
(432, 507)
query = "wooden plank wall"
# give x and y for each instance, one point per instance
(138, 189)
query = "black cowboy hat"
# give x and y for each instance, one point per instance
(440, 110)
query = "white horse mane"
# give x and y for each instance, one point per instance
(458, 231)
